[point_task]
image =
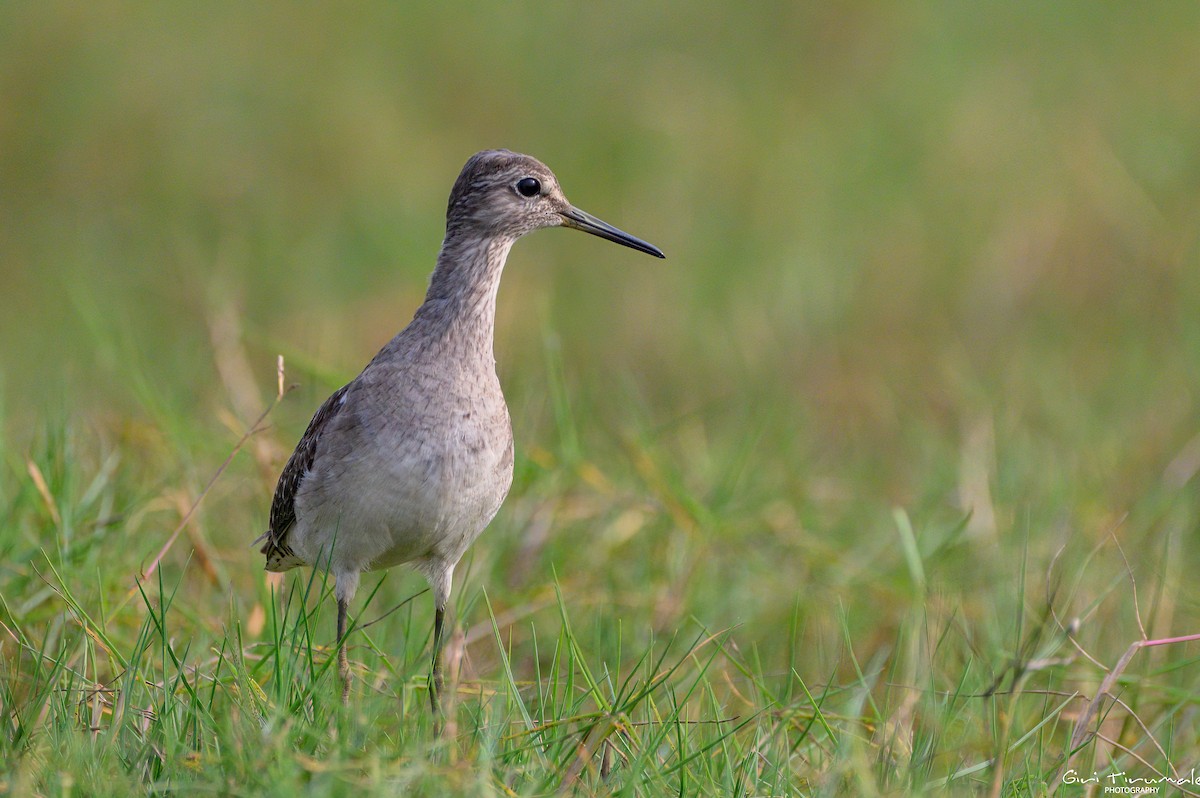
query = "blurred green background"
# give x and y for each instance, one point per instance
(891, 231)
(859, 202)
(938, 256)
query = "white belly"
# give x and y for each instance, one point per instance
(378, 507)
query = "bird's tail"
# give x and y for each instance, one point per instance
(280, 557)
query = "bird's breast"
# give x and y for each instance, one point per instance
(418, 477)
(446, 483)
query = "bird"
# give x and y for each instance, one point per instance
(411, 460)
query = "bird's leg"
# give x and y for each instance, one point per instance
(343, 659)
(435, 686)
(439, 575)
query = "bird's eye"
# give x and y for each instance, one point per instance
(528, 187)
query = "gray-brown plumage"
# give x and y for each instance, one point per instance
(410, 461)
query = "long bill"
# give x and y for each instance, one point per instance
(582, 220)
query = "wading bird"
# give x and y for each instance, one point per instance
(410, 461)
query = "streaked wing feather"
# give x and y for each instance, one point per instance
(283, 506)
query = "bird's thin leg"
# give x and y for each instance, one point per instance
(435, 687)
(343, 659)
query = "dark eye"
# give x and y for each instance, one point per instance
(528, 187)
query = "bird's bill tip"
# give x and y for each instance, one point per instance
(582, 220)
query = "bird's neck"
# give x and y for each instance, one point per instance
(461, 301)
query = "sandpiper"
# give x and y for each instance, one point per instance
(410, 461)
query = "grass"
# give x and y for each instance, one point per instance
(880, 484)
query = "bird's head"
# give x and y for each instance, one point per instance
(503, 193)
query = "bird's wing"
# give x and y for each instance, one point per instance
(283, 506)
